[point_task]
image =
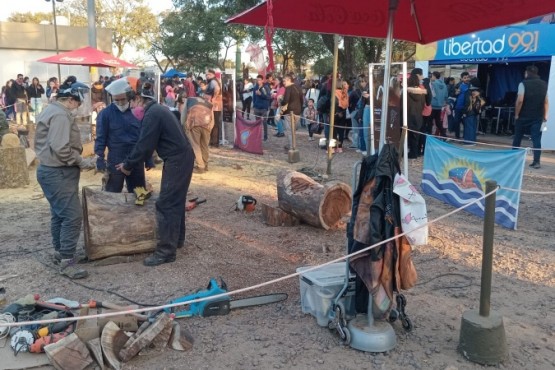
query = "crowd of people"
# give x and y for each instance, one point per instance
(182, 125)
(436, 106)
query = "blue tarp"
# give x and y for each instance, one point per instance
(172, 72)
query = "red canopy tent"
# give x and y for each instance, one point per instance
(87, 56)
(421, 21)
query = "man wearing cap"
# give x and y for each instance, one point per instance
(213, 94)
(531, 111)
(117, 130)
(58, 147)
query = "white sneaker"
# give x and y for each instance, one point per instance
(310, 138)
(359, 151)
(364, 153)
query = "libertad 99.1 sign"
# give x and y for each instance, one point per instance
(529, 41)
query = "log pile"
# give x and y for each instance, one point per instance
(301, 198)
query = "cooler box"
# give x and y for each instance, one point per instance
(320, 287)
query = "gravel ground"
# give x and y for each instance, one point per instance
(244, 251)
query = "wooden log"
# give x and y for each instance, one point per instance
(69, 354)
(112, 341)
(96, 351)
(317, 205)
(148, 331)
(180, 339)
(13, 167)
(274, 216)
(114, 225)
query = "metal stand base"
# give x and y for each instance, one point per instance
(293, 156)
(373, 336)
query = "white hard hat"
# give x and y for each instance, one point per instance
(119, 86)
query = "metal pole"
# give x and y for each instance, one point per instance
(91, 15)
(487, 253)
(405, 117)
(387, 71)
(332, 98)
(372, 124)
(56, 38)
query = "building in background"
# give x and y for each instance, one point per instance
(22, 44)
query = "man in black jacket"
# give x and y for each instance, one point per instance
(161, 131)
(531, 111)
(291, 107)
(18, 91)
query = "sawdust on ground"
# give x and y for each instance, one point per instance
(244, 251)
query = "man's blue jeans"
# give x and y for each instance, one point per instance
(61, 188)
(364, 144)
(535, 125)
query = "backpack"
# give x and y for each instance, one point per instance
(324, 103)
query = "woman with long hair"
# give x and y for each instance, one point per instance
(34, 92)
(416, 100)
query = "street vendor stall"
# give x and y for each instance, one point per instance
(502, 55)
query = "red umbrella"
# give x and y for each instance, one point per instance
(87, 56)
(421, 21)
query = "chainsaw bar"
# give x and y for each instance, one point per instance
(257, 300)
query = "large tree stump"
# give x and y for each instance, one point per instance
(317, 205)
(13, 168)
(115, 226)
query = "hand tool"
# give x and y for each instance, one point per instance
(193, 203)
(74, 305)
(218, 306)
(40, 343)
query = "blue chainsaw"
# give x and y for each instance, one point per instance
(218, 306)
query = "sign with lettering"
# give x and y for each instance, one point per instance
(529, 41)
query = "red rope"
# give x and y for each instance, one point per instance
(269, 35)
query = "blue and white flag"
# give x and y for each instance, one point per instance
(458, 176)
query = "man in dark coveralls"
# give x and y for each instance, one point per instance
(161, 131)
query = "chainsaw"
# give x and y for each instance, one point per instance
(217, 306)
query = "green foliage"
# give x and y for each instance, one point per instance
(323, 66)
(30, 17)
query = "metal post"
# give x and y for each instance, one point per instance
(238, 65)
(487, 254)
(387, 71)
(56, 38)
(91, 15)
(372, 124)
(332, 98)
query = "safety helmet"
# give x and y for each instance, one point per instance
(121, 86)
(71, 92)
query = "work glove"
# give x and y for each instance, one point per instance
(100, 164)
(87, 164)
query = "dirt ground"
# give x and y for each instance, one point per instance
(244, 251)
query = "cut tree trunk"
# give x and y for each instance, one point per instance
(274, 216)
(13, 168)
(317, 205)
(115, 226)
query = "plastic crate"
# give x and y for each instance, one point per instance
(320, 287)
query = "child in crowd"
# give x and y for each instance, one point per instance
(310, 115)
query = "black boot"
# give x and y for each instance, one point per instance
(156, 259)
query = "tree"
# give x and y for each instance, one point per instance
(30, 17)
(130, 20)
(193, 35)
